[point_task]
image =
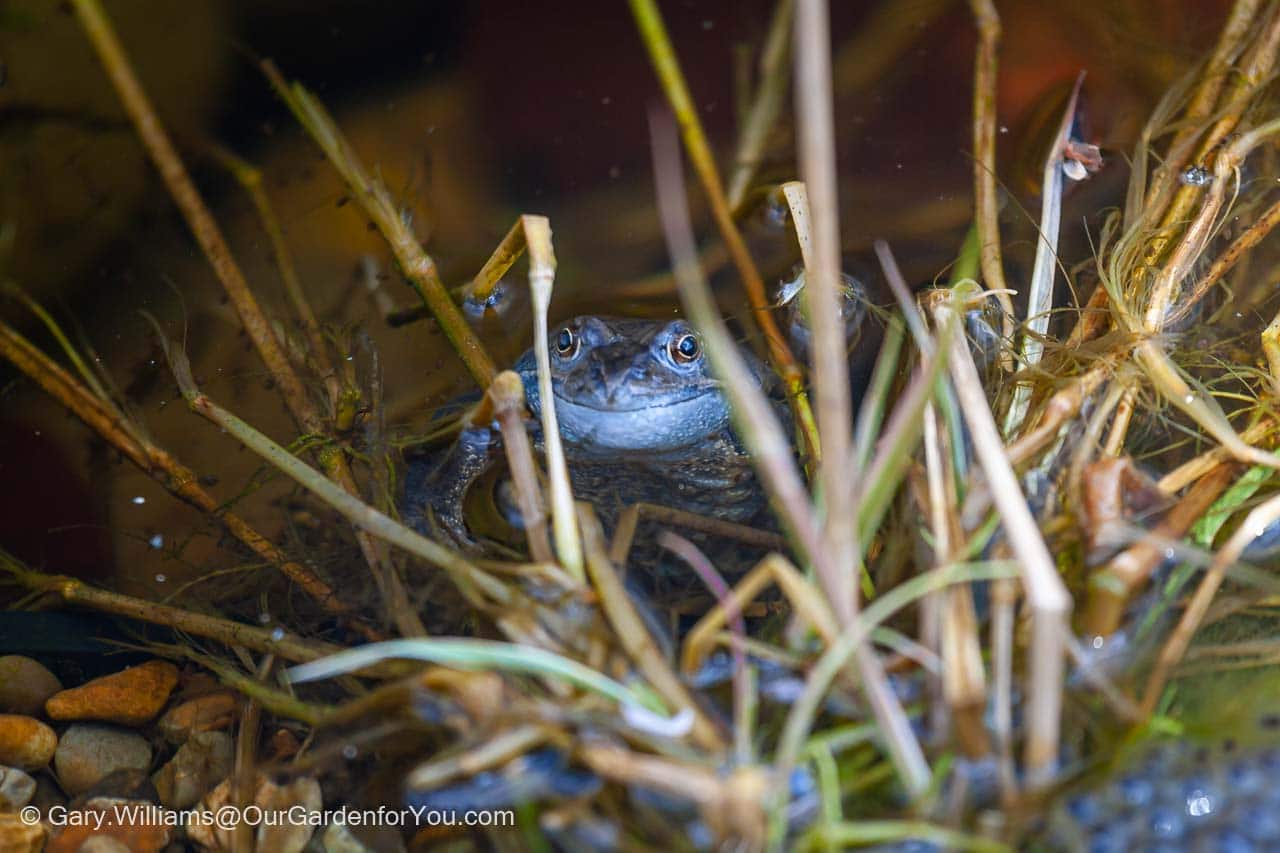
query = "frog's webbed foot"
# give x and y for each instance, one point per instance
(434, 497)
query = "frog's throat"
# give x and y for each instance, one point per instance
(663, 426)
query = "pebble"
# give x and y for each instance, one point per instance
(25, 743)
(278, 836)
(19, 837)
(25, 685)
(202, 762)
(89, 752)
(205, 714)
(131, 783)
(16, 789)
(114, 834)
(130, 697)
(338, 838)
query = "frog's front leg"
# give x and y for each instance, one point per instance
(436, 489)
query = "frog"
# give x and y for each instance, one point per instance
(642, 418)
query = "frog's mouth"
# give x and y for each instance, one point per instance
(658, 426)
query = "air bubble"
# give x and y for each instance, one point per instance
(1195, 176)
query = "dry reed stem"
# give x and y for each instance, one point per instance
(1253, 235)
(158, 464)
(201, 222)
(986, 204)
(1004, 597)
(507, 392)
(630, 518)
(765, 106)
(498, 750)
(1236, 29)
(1046, 593)
(1112, 586)
(250, 178)
(1193, 469)
(754, 419)
(542, 268)
(654, 34)
(764, 438)
(207, 233)
(418, 267)
(471, 581)
(634, 636)
(225, 631)
(774, 569)
(815, 141)
(1167, 287)
(744, 698)
(1256, 68)
(1255, 523)
(1043, 272)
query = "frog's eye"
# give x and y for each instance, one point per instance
(566, 343)
(684, 349)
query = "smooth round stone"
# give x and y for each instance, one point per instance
(89, 752)
(130, 697)
(25, 684)
(16, 789)
(203, 714)
(17, 836)
(25, 743)
(202, 762)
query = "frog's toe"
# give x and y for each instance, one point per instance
(448, 528)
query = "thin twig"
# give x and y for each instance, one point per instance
(418, 267)
(765, 107)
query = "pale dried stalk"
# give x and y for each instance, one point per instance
(1040, 296)
(507, 393)
(1047, 595)
(753, 417)
(634, 636)
(207, 233)
(986, 204)
(1193, 469)
(542, 270)
(770, 450)
(815, 141)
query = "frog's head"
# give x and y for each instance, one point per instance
(630, 386)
